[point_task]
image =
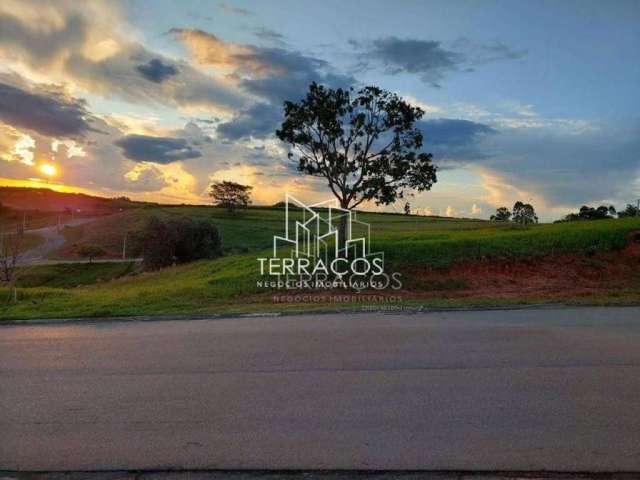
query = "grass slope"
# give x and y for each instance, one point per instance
(70, 275)
(228, 284)
(249, 230)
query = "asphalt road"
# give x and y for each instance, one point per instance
(53, 240)
(493, 390)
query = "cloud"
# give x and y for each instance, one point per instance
(270, 36)
(428, 59)
(75, 43)
(455, 142)
(46, 111)
(145, 178)
(453, 132)
(42, 44)
(119, 75)
(290, 75)
(482, 53)
(569, 169)
(163, 150)
(156, 71)
(272, 73)
(232, 9)
(258, 121)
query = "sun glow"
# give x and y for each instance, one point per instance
(48, 169)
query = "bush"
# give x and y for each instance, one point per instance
(179, 241)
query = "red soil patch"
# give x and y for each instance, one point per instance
(554, 277)
(557, 275)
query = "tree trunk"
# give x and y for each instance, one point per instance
(342, 232)
(342, 236)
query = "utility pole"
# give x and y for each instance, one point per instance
(124, 246)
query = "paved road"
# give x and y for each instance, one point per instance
(53, 240)
(494, 390)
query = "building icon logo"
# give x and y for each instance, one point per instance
(323, 246)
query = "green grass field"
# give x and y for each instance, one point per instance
(71, 275)
(437, 241)
(228, 284)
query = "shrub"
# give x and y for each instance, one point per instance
(158, 245)
(179, 241)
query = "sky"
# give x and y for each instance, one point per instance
(155, 100)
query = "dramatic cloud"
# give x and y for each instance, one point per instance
(156, 71)
(453, 132)
(163, 150)
(69, 43)
(43, 44)
(293, 72)
(275, 74)
(455, 142)
(49, 113)
(428, 58)
(145, 178)
(599, 165)
(258, 121)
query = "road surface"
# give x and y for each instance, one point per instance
(53, 240)
(491, 390)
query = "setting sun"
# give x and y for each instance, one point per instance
(48, 169)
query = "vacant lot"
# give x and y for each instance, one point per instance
(444, 262)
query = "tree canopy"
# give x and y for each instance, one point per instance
(230, 195)
(524, 213)
(590, 213)
(502, 215)
(366, 144)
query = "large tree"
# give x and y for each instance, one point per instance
(524, 213)
(366, 144)
(230, 195)
(502, 215)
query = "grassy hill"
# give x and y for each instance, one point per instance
(412, 245)
(47, 200)
(249, 230)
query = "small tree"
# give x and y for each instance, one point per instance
(365, 144)
(231, 195)
(524, 213)
(502, 215)
(90, 251)
(629, 211)
(10, 250)
(407, 208)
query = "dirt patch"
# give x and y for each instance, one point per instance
(557, 275)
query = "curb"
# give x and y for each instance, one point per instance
(404, 310)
